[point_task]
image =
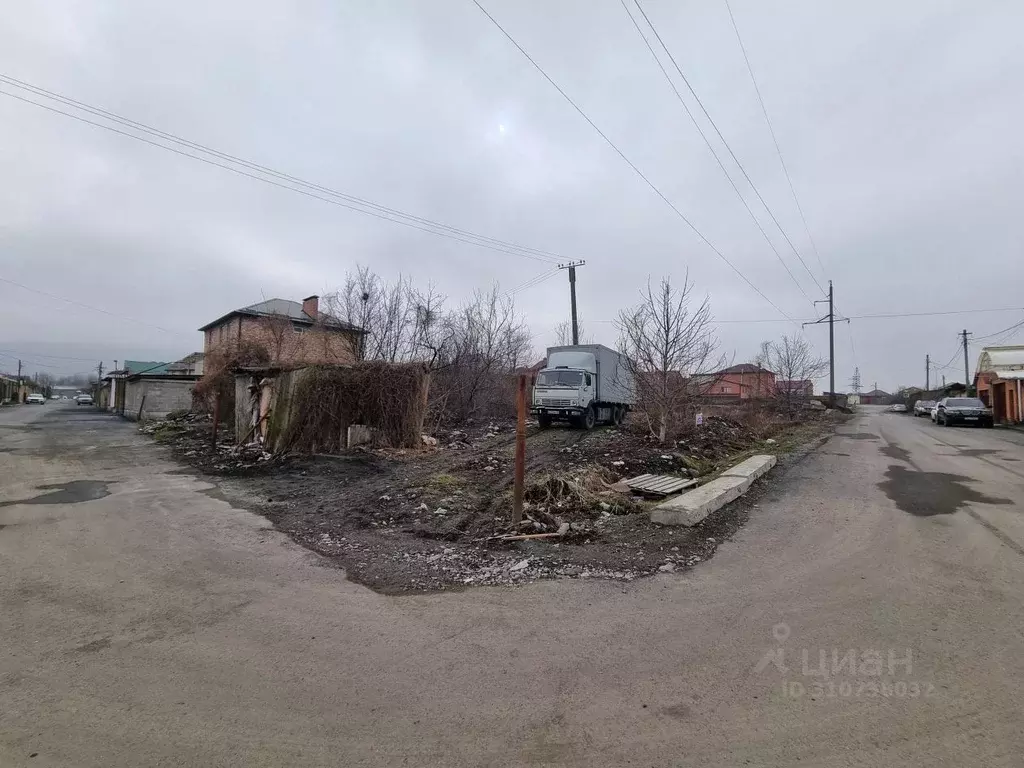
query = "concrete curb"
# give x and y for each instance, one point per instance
(690, 508)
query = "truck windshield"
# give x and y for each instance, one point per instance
(559, 379)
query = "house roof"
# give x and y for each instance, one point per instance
(993, 358)
(284, 308)
(745, 368)
(132, 367)
(876, 393)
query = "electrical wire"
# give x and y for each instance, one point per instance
(48, 357)
(714, 154)
(726, 143)
(537, 280)
(1009, 330)
(775, 140)
(86, 306)
(343, 200)
(625, 159)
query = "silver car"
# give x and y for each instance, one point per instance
(923, 407)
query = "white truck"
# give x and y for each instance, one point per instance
(583, 384)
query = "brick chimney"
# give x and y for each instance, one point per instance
(311, 306)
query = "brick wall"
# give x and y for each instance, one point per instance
(284, 341)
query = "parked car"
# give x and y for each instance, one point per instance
(35, 399)
(923, 407)
(899, 408)
(83, 399)
(962, 410)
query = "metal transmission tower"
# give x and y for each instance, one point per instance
(855, 380)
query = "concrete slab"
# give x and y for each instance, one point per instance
(690, 508)
(753, 467)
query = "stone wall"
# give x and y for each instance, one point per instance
(157, 396)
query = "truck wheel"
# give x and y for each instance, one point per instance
(589, 418)
(544, 420)
(618, 415)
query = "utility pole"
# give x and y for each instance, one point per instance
(571, 266)
(831, 317)
(967, 369)
(17, 396)
(99, 371)
(943, 381)
(927, 372)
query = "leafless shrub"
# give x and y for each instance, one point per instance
(389, 398)
(670, 350)
(563, 333)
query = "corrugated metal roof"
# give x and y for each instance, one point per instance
(992, 358)
(143, 366)
(1016, 373)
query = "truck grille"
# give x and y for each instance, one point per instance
(555, 402)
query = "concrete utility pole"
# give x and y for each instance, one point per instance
(571, 266)
(17, 396)
(927, 372)
(967, 368)
(99, 371)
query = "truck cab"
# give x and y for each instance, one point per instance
(583, 385)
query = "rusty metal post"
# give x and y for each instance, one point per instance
(216, 420)
(520, 476)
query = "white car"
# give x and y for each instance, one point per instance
(83, 399)
(35, 399)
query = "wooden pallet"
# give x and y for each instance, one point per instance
(659, 485)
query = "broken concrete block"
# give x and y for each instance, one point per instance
(692, 507)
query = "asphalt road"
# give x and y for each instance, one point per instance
(145, 622)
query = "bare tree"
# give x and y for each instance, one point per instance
(563, 333)
(277, 330)
(793, 362)
(670, 349)
(398, 321)
(479, 347)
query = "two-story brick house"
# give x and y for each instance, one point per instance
(291, 332)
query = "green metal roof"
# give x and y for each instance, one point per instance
(144, 366)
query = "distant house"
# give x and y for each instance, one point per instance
(289, 331)
(151, 389)
(875, 397)
(998, 381)
(801, 388)
(743, 382)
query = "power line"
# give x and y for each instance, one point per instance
(625, 159)
(714, 154)
(86, 306)
(536, 280)
(352, 202)
(778, 149)
(48, 357)
(1012, 328)
(726, 143)
(884, 316)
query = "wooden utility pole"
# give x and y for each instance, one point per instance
(17, 395)
(927, 372)
(967, 366)
(571, 266)
(520, 469)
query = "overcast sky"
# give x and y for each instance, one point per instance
(900, 124)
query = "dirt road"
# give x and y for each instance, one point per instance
(147, 622)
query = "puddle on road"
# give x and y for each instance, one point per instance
(895, 452)
(925, 494)
(71, 492)
(861, 436)
(976, 451)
